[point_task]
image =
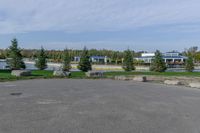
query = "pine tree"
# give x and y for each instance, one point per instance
(15, 60)
(128, 64)
(85, 64)
(158, 65)
(41, 62)
(189, 64)
(66, 61)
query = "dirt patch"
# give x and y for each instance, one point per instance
(16, 94)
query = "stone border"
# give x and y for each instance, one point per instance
(193, 82)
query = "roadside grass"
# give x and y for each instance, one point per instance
(5, 75)
(77, 75)
(42, 73)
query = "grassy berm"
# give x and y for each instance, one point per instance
(5, 75)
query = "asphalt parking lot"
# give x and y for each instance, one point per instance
(97, 106)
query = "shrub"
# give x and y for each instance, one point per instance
(189, 64)
(128, 64)
(66, 61)
(85, 64)
(158, 65)
(41, 62)
(15, 60)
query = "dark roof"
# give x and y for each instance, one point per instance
(145, 57)
(99, 57)
(175, 57)
(173, 52)
(165, 57)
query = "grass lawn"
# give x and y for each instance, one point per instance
(49, 74)
(5, 75)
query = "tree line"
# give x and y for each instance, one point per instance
(56, 56)
(15, 57)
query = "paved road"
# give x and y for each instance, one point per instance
(97, 106)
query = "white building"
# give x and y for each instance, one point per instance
(99, 59)
(77, 58)
(94, 59)
(169, 58)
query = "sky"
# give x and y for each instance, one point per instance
(103, 24)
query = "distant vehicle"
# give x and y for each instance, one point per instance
(4, 65)
(7, 67)
(2, 60)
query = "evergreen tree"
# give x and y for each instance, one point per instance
(15, 60)
(158, 65)
(189, 64)
(66, 61)
(128, 64)
(85, 64)
(41, 62)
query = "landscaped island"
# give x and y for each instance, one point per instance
(158, 64)
(5, 75)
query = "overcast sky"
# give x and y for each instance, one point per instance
(111, 24)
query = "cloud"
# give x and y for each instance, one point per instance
(94, 15)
